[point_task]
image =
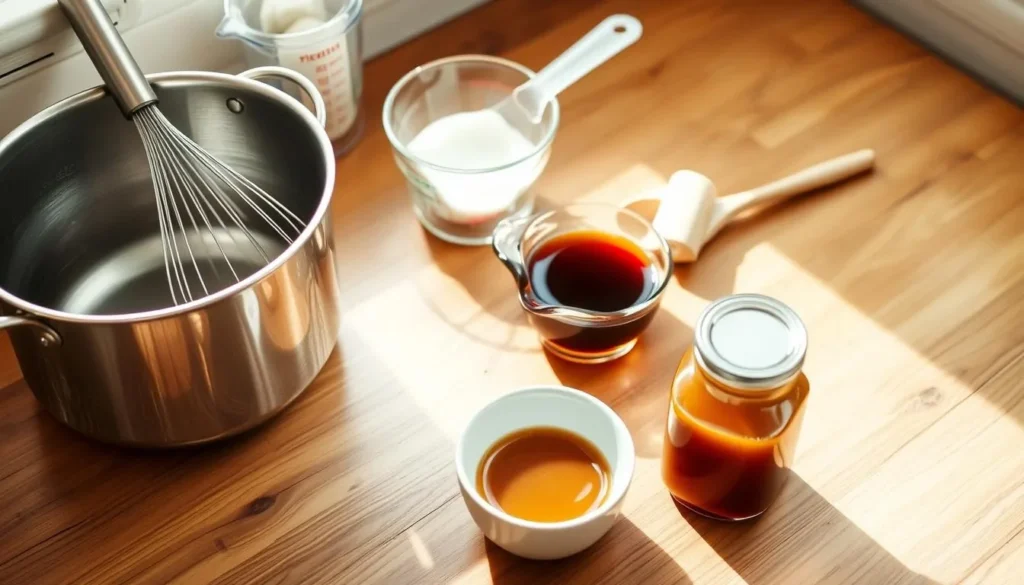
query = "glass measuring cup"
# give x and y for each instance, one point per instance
(573, 333)
(326, 49)
(457, 204)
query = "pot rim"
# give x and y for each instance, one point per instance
(100, 91)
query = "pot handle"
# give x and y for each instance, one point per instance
(319, 107)
(48, 337)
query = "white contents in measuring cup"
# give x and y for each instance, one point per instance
(471, 141)
(278, 16)
(324, 59)
(303, 24)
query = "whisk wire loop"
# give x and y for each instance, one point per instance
(198, 194)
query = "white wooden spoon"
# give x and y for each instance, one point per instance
(688, 212)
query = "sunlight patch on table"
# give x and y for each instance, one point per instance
(862, 375)
(479, 572)
(500, 325)
(419, 548)
(871, 394)
(447, 372)
(866, 382)
(968, 465)
(637, 181)
(683, 305)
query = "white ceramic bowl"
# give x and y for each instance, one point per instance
(545, 406)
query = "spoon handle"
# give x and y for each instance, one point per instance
(809, 179)
(603, 42)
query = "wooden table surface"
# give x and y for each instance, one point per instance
(910, 467)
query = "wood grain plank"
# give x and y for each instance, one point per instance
(955, 491)
(1002, 567)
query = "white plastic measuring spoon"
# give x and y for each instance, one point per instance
(603, 42)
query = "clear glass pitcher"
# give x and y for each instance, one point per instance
(571, 332)
(326, 49)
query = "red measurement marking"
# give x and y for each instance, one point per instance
(320, 54)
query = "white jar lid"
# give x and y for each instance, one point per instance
(750, 341)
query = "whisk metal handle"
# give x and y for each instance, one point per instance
(109, 54)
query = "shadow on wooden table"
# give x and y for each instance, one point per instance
(636, 385)
(493, 317)
(802, 538)
(624, 555)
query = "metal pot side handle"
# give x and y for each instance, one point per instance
(273, 71)
(47, 336)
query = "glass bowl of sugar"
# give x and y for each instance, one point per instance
(467, 166)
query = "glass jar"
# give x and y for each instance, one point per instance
(735, 408)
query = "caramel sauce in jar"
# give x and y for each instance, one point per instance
(736, 404)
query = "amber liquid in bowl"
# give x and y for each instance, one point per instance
(596, 271)
(544, 474)
(726, 455)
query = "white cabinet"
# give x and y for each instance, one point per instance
(985, 37)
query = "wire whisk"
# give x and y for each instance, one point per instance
(190, 186)
(203, 205)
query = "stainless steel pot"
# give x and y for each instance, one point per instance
(82, 285)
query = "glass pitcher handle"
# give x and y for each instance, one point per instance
(507, 241)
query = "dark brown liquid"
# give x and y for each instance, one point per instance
(596, 271)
